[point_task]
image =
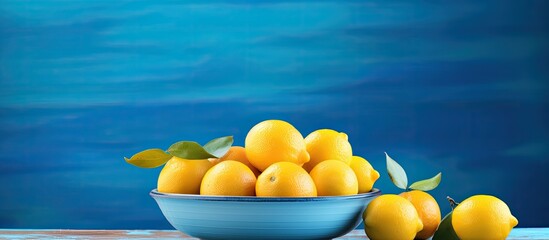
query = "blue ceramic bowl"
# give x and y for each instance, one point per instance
(220, 217)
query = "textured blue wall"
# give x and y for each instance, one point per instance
(459, 87)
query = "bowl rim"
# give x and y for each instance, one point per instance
(155, 194)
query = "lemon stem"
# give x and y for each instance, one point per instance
(453, 203)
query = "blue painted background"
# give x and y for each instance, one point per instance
(459, 87)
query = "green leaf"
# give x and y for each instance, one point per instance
(189, 150)
(219, 146)
(445, 230)
(427, 184)
(149, 158)
(396, 173)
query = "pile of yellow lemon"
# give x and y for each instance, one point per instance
(416, 215)
(275, 162)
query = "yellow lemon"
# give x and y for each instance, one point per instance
(274, 141)
(365, 174)
(391, 217)
(182, 176)
(334, 178)
(483, 217)
(427, 209)
(327, 144)
(229, 178)
(285, 179)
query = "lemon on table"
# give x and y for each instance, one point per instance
(274, 141)
(483, 217)
(182, 175)
(229, 178)
(285, 179)
(365, 174)
(334, 178)
(427, 209)
(391, 217)
(327, 144)
(237, 153)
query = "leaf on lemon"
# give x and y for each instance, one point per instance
(189, 150)
(219, 146)
(427, 184)
(445, 230)
(396, 173)
(149, 158)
